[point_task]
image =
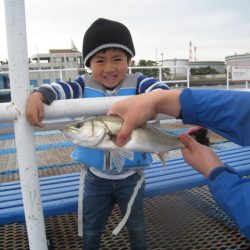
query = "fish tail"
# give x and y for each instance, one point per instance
(200, 135)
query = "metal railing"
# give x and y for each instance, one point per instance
(24, 134)
(230, 78)
(186, 79)
(15, 112)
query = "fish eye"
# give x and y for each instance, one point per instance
(78, 125)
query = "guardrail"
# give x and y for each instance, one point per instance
(159, 68)
(243, 78)
(15, 111)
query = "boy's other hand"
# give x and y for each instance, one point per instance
(34, 110)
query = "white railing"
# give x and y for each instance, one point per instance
(15, 111)
(230, 78)
(159, 68)
(5, 91)
(60, 71)
(18, 72)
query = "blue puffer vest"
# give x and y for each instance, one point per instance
(95, 157)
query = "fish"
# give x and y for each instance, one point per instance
(100, 132)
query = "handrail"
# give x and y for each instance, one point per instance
(187, 81)
(229, 79)
(19, 83)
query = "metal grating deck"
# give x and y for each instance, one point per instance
(187, 220)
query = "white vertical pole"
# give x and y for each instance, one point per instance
(19, 81)
(61, 75)
(228, 67)
(188, 77)
(160, 73)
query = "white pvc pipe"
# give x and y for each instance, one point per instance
(5, 91)
(188, 77)
(8, 112)
(80, 107)
(227, 87)
(160, 73)
(19, 81)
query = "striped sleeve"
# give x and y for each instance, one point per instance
(62, 90)
(146, 84)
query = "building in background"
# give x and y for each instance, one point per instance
(219, 66)
(238, 59)
(178, 67)
(66, 64)
(50, 67)
(53, 65)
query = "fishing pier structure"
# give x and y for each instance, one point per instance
(14, 112)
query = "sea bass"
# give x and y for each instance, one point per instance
(101, 131)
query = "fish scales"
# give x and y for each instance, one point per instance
(100, 132)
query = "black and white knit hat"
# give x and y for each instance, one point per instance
(104, 33)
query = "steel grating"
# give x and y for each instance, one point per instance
(187, 220)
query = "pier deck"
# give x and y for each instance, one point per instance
(188, 219)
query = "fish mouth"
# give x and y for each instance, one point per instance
(69, 131)
(72, 129)
(65, 133)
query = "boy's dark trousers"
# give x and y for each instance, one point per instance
(100, 195)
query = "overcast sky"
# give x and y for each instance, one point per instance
(217, 28)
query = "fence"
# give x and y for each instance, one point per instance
(239, 74)
(38, 77)
(15, 111)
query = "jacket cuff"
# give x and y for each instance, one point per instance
(217, 171)
(48, 95)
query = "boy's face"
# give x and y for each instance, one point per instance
(110, 67)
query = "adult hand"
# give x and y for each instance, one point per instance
(201, 157)
(34, 110)
(134, 111)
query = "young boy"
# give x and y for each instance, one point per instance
(107, 51)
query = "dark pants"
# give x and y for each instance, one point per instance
(100, 195)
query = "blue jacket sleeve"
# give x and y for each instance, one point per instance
(231, 192)
(62, 90)
(225, 112)
(146, 84)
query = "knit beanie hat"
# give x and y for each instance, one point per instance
(104, 33)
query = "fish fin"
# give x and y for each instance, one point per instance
(155, 123)
(151, 126)
(125, 153)
(163, 157)
(94, 140)
(118, 157)
(170, 131)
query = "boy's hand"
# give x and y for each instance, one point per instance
(201, 157)
(34, 109)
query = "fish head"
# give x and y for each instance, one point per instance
(85, 133)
